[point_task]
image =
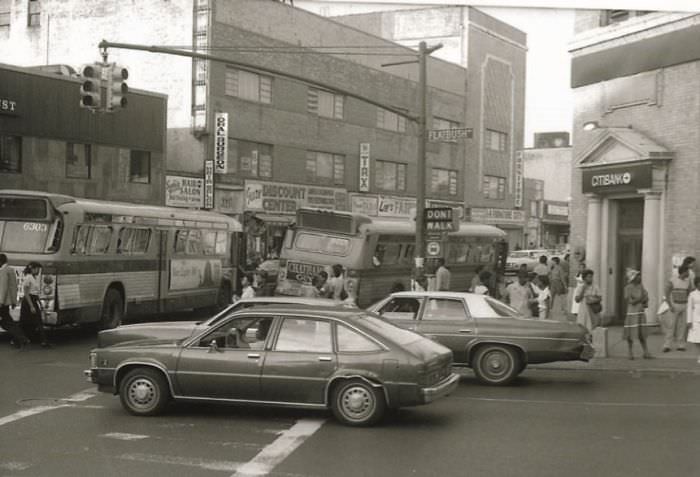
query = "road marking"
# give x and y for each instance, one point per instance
(585, 403)
(14, 465)
(124, 436)
(61, 403)
(274, 453)
(208, 464)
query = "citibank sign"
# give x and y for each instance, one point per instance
(617, 178)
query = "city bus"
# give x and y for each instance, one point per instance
(377, 253)
(103, 261)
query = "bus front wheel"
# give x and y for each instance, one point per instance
(112, 310)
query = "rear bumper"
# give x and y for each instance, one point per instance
(441, 389)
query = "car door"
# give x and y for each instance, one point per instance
(446, 321)
(226, 362)
(401, 310)
(300, 362)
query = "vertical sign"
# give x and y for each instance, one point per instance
(364, 167)
(518, 178)
(221, 143)
(208, 184)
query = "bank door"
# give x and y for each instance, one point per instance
(629, 251)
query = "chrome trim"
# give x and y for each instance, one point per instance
(325, 358)
(253, 401)
(254, 355)
(528, 338)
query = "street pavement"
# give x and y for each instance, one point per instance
(579, 420)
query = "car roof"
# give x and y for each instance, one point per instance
(292, 300)
(435, 294)
(337, 311)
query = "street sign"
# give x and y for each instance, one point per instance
(433, 248)
(450, 135)
(440, 219)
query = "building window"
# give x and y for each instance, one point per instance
(250, 159)
(325, 104)
(390, 176)
(248, 86)
(609, 17)
(10, 154)
(325, 168)
(390, 121)
(78, 160)
(140, 167)
(496, 140)
(34, 15)
(5, 12)
(494, 187)
(443, 181)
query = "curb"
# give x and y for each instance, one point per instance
(605, 364)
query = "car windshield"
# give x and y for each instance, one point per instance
(519, 255)
(486, 307)
(384, 328)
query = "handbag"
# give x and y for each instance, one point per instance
(663, 308)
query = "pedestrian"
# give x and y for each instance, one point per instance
(475, 279)
(335, 286)
(442, 276)
(674, 322)
(247, 284)
(519, 295)
(260, 283)
(397, 287)
(420, 284)
(589, 299)
(565, 270)
(8, 298)
(637, 300)
(693, 316)
(541, 269)
(557, 288)
(31, 310)
(577, 287)
(689, 262)
(482, 287)
(544, 297)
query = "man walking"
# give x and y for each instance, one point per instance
(519, 295)
(8, 298)
(442, 276)
(677, 290)
(557, 289)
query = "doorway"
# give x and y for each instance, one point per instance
(629, 247)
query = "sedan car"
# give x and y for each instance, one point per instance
(183, 329)
(518, 258)
(350, 361)
(484, 334)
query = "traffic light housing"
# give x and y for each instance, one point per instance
(117, 88)
(91, 87)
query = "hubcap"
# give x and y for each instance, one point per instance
(497, 364)
(142, 393)
(357, 402)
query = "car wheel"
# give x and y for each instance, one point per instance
(112, 310)
(496, 364)
(357, 403)
(144, 392)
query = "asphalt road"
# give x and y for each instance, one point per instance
(550, 423)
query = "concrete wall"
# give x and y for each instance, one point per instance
(553, 166)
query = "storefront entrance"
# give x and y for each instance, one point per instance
(629, 247)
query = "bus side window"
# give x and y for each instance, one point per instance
(140, 241)
(99, 240)
(80, 239)
(194, 242)
(209, 242)
(180, 241)
(124, 241)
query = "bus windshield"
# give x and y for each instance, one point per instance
(324, 244)
(23, 236)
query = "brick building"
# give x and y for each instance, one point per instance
(48, 143)
(636, 86)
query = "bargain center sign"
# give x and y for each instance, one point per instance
(284, 198)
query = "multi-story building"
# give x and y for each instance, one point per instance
(49, 143)
(494, 55)
(636, 146)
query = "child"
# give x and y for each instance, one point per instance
(693, 316)
(543, 296)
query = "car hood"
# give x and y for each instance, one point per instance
(175, 330)
(149, 343)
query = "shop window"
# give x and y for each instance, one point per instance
(325, 103)
(248, 86)
(10, 154)
(325, 168)
(494, 187)
(390, 121)
(250, 159)
(78, 160)
(390, 176)
(34, 13)
(443, 181)
(140, 167)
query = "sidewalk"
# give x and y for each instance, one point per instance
(671, 362)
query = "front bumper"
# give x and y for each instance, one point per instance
(104, 378)
(441, 389)
(587, 353)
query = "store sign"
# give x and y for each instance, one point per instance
(617, 178)
(561, 210)
(8, 106)
(208, 184)
(497, 216)
(228, 201)
(184, 191)
(364, 167)
(390, 206)
(283, 198)
(364, 204)
(518, 183)
(221, 143)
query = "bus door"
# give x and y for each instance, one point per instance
(163, 269)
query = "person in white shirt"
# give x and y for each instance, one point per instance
(544, 296)
(247, 284)
(30, 309)
(484, 279)
(541, 269)
(519, 294)
(693, 316)
(442, 276)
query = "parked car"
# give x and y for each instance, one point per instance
(175, 330)
(347, 360)
(485, 334)
(517, 258)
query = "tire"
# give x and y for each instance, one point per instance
(112, 310)
(496, 365)
(357, 403)
(144, 392)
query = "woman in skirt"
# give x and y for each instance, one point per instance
(637, 299)
(30, 310)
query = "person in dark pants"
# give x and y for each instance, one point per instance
(30, 310)
(8, 298)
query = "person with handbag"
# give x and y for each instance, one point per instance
(637, 300)
(30, 315)
(589, 299)
(674, 323)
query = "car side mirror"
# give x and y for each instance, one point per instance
(213, 347)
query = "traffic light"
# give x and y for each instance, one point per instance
(91, 87)
(116, 87)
